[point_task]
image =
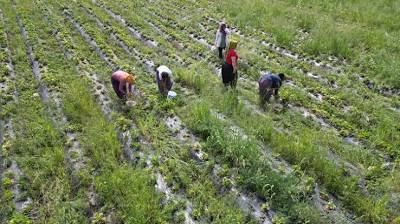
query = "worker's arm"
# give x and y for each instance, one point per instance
(276, 93)
(163, 87)
(216, 39)
(234, 65)
(128, 89)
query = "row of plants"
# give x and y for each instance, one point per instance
(8, 179)
(33, 130)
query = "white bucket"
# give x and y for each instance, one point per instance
(130, 103)
(171, 95)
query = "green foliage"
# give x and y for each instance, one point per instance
(20, 219)
(99, 218)
(129, 191)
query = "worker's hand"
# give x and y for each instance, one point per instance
(129, 95)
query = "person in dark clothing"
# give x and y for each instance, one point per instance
(229, 68)
(269, 85)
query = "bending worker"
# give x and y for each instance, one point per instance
(122, 83)
(269, 85)
(164, 79)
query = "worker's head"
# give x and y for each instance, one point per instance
(222, 27)
(233, 44)
(130, 79)
(282, 76)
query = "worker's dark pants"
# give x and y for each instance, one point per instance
(220, 50)
(115, 84)
(265, 90)
(161, 87)
(228, 77)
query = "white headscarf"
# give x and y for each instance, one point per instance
(162, 69)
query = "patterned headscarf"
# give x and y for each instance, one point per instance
(233, 44)
(130, 79)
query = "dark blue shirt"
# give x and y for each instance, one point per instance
(276, 81)
(273, 80)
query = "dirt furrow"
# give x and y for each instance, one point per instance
(10, 173)
(74, 154)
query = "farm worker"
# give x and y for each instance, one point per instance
(164, 79)
(229, 68)
(221, 38)
(122, 83)
(269, 85)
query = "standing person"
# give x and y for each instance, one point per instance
(164, 79)
(269, 85)
(229, 68)
(221, 38)
(122, 83)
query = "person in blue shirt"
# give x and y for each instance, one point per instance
(269, 85)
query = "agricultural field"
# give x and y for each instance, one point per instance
(72, 152)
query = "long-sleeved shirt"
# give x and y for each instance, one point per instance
(121, 77)
(270, 80)
(218, 38)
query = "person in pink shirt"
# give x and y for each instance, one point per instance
(122, 83)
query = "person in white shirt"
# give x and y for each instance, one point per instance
(164, 79)
(221, 38)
